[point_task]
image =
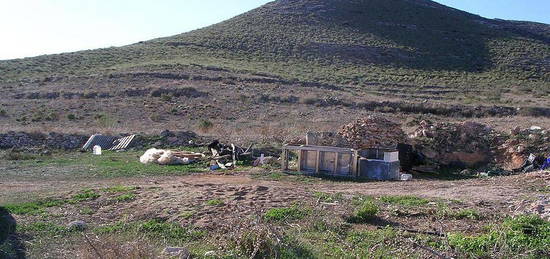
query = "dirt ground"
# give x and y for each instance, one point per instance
(250, 193)
(216, 202)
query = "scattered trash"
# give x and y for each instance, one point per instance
(263, 160)
(406, 177)
(227, 156)
(546, 164)
(532, 163)
(97, 150)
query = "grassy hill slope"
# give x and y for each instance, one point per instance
(293, 66)
(344, 42)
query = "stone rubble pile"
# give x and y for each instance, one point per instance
(372, 132)
(522, 144)
(456, 144)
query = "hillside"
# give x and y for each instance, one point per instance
(306, 52)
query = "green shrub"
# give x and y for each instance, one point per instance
(71, 117)
(205, 125)
(365, 212)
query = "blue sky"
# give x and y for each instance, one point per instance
(36, 27)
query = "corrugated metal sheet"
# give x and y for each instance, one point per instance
(123, 143)
(105, 142)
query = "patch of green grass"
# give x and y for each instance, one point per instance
(87, 211)
(114, 228)
(39, 206)
(33, 207)
(85, 195)
(215, 202)
(286, 176)
(365, 212)
(168, 230)
(154, 229)
(372, 242)
(43, 229)
(119, 189)
(290, 213)
(526, 235)
(404, 200)
(116, 164)
(126, 197)
(187, 214)
(465, 214)
(328, 197)
(19, 156)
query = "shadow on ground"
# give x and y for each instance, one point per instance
(10, 244)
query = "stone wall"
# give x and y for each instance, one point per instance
(32, 140)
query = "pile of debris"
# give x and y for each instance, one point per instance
(371, 132)
(169, 157)
(525, 150)
(467, 144)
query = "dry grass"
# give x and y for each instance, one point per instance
(110, 247)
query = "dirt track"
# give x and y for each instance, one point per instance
(496, 189)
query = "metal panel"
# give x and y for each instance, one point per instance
(123, 143)
(105, 142)
(379, 170)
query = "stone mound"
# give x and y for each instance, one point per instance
(372, 132)
(466, 144)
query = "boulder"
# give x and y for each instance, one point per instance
(77, 225)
